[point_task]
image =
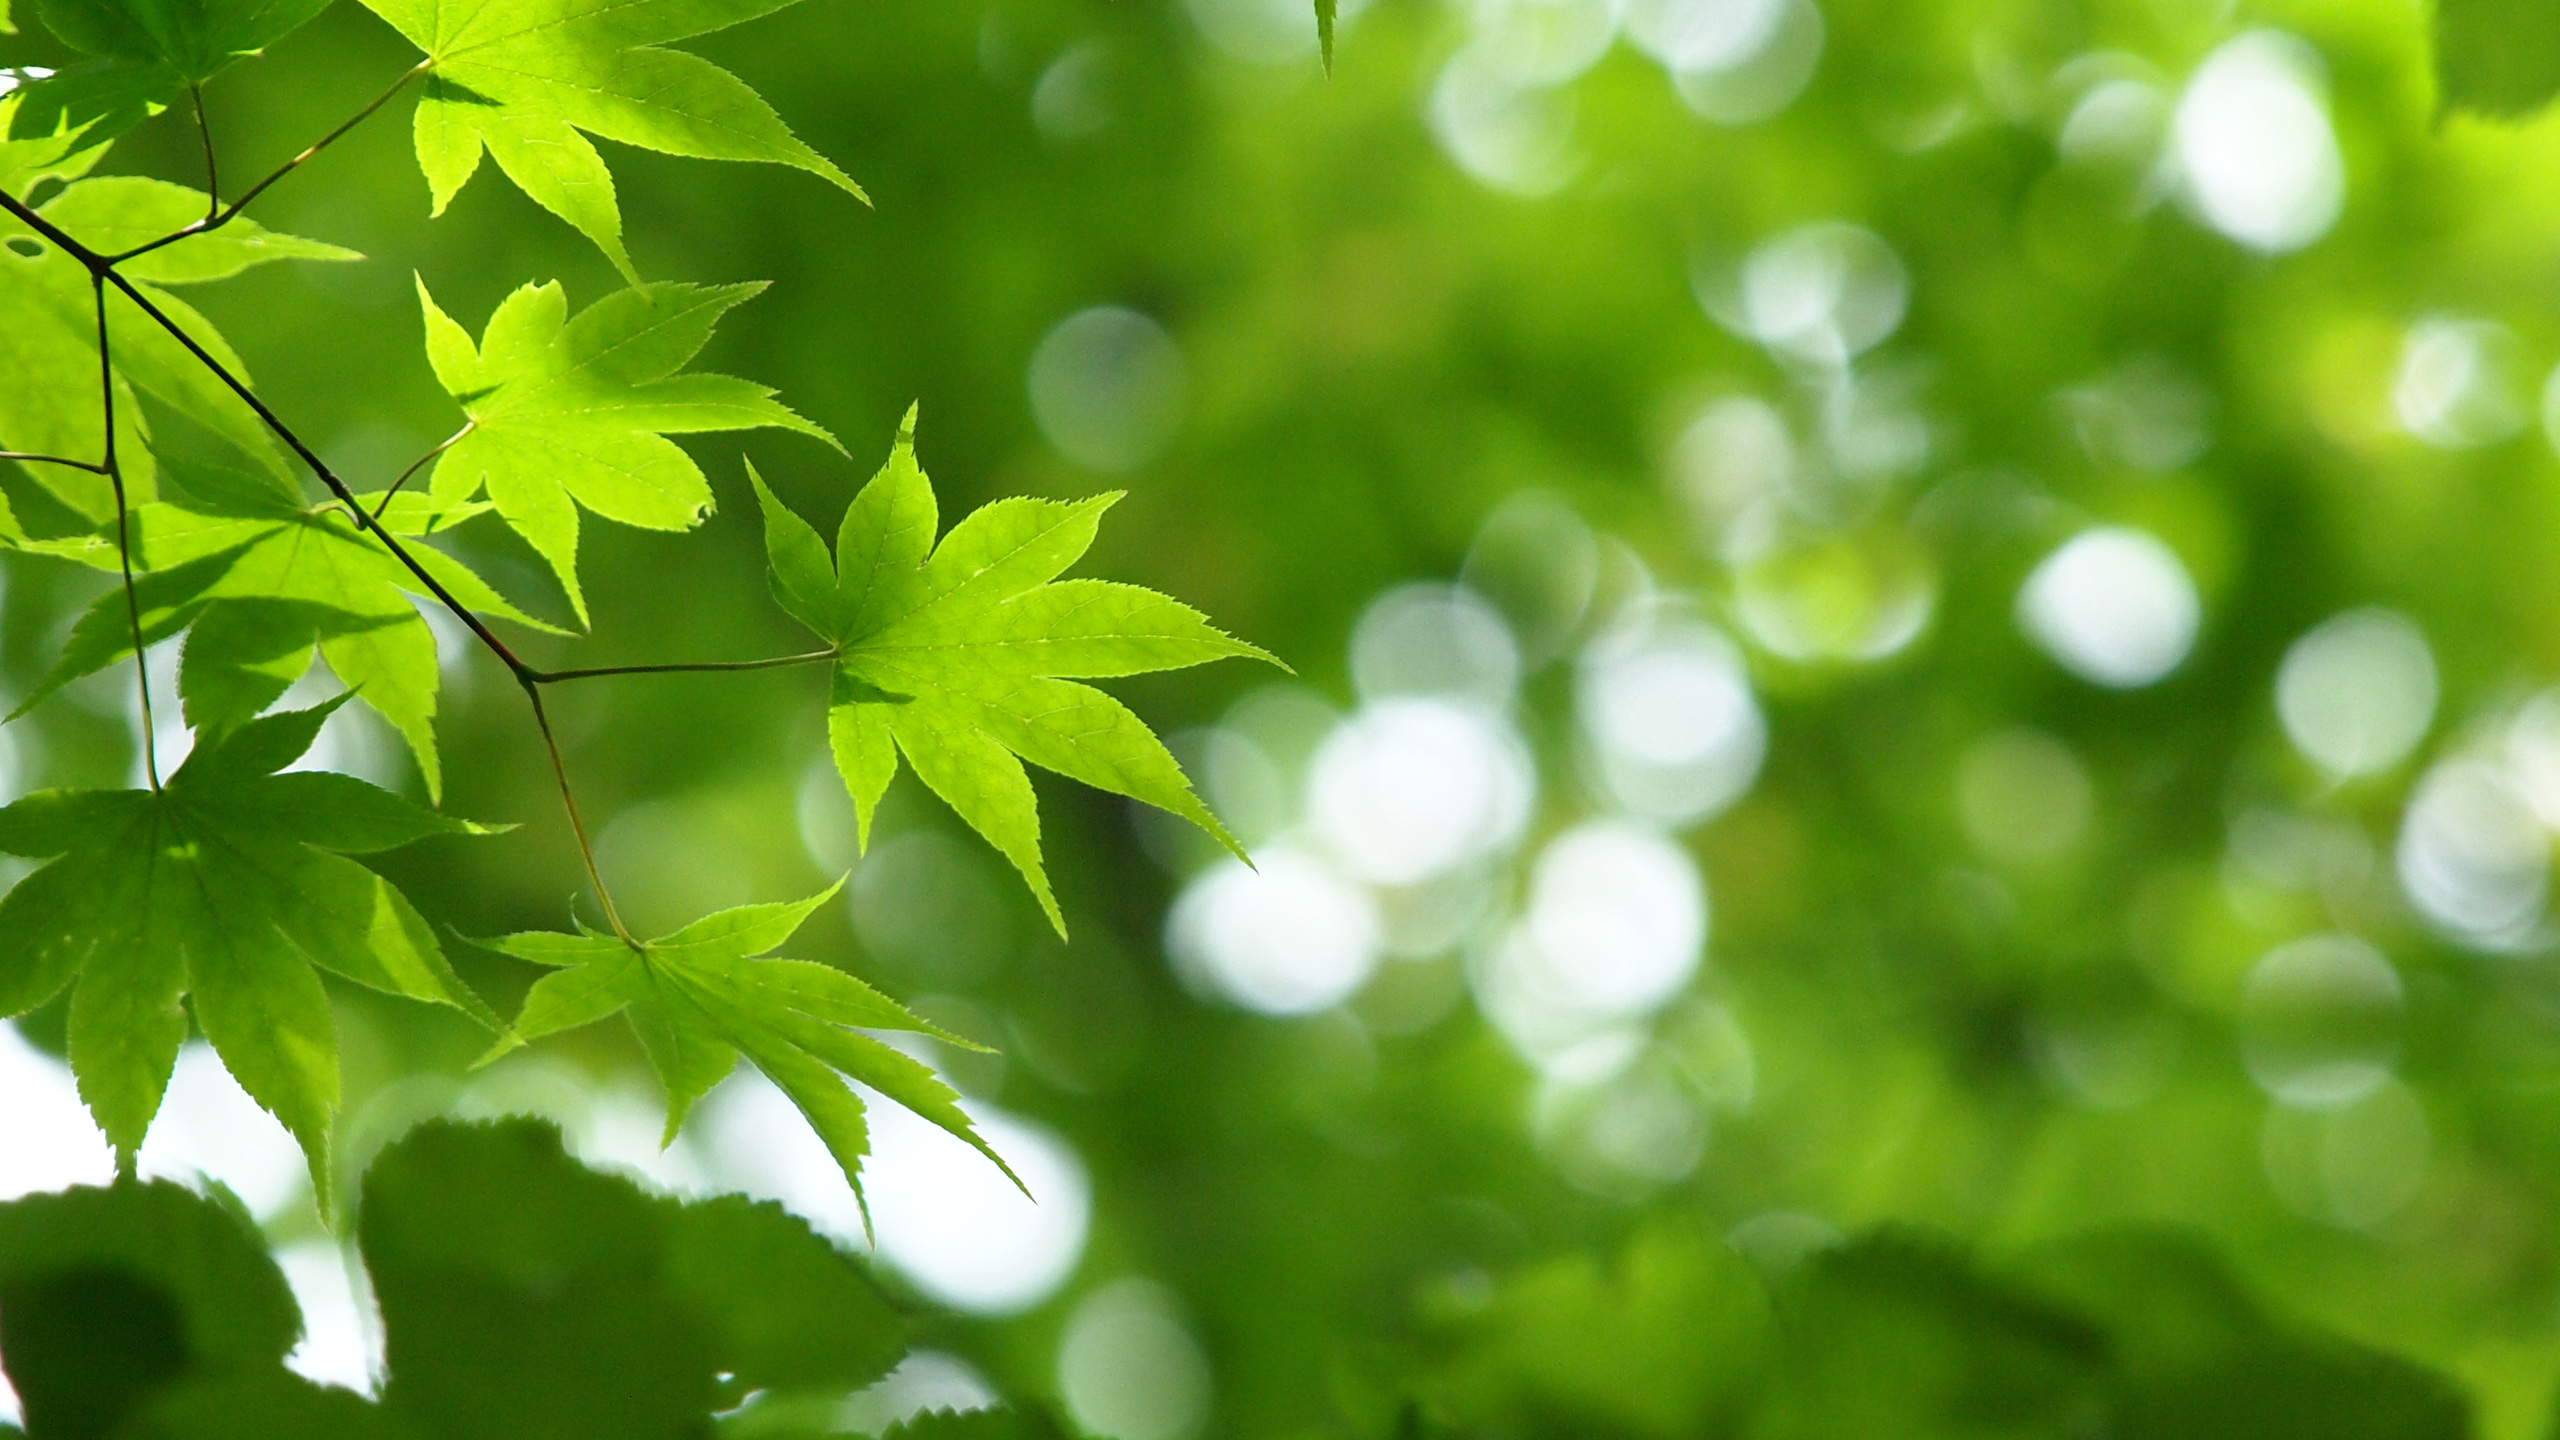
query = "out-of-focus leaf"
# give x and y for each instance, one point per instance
(146, 52)
(1668, 1341)
(108, 1297)
(2194, 1354)
(1899, 1334)
(2497, 57)
(523, 1294)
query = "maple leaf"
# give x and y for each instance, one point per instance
(569, 412)
(49, 332)
(698, 998)
(956, 655)
(522, 78)
(267, 583)
(225, 889)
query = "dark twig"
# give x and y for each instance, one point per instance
(29, 457)
(212, 176)
(124, 531)
(549, 677)
(328, 477)
(230, 212)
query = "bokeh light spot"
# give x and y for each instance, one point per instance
(1128, 1367)
(2472, 856)
(1108, 387)
(2254, 143)
(1407, 789)
(2114, 606)
(1823, 293)
(2320, 1021)
(1287, 936)
(2023, 796)
(2357, 692)
(945, 1217)
(1668, 711)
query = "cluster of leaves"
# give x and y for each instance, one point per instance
(520, 1294)
(2129, 1333)
(220, 896)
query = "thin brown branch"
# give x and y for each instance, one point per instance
(700, 667)
(418, 464)
(230, 212)
(124, 532)
(577, 823)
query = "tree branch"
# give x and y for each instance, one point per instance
(29, 457)
(230, 212)
(328, 477)
(212, 176)
(124, 532)
(553, 677)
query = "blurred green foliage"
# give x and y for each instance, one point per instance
(1986, 930)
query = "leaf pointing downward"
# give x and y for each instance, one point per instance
(226, 889)
(955, 655)
(522, 78)
(697, 999)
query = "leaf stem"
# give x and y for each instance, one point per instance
(577, 823)
(230, 212)
(442, 446)
(212, 176)
(29, 457)
(552, 677)
(124, 531)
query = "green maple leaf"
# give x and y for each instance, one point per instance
(522, 79)
(225, 889)
(570, 412)
(143, 53)
(698, 999)
(956, 655)
(267, 583)
(49, 334)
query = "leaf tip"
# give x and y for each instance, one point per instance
(508, 1043)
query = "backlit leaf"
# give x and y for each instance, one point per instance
(265, 583)
(956, 655)
(48, 334)
(522, 78)
(228, 887)
(699, 998)
(569, 413)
